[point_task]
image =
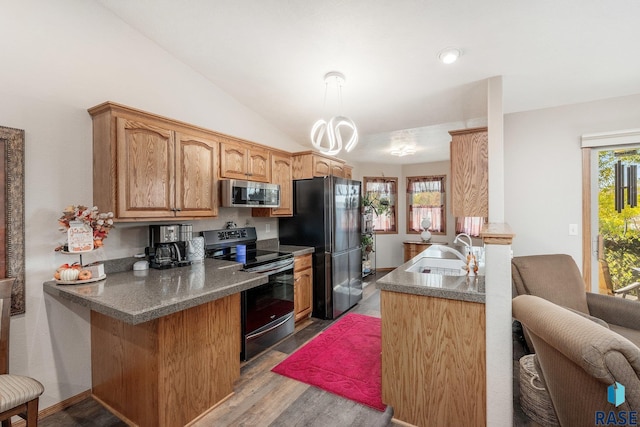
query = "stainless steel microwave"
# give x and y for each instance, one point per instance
(250, 194)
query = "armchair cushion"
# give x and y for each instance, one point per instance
(578, 357)
(592, 318)
(553, 277)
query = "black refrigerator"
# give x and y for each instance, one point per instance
(326, 215)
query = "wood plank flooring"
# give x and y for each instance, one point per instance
(263, 398)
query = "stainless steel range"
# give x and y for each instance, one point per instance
(267, 310)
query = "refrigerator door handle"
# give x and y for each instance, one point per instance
(328, 288)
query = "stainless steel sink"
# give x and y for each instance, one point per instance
(444, 267)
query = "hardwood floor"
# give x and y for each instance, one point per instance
(263, 398)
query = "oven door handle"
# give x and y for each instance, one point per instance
(277, 269)
(277, 325)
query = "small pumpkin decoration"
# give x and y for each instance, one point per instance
(69, 274)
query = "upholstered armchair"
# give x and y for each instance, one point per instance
(557, 278)
(579, 359)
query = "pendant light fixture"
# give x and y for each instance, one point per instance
(326, 136)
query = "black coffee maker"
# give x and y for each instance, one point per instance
(165, 250)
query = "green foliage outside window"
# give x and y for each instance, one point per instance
(620, 231)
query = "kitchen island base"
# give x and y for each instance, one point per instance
(433, 359)
(168, 371)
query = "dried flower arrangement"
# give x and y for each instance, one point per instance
(100, 223)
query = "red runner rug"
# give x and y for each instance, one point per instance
(345, 359)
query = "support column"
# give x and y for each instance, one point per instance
(497, 238)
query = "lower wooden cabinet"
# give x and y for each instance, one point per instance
(433, 360)
(412, 249)
(168, 371)
(303, 286)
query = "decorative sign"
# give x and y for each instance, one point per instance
(80, 237)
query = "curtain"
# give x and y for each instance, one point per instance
(470, 225)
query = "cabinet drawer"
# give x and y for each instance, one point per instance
(302, 262)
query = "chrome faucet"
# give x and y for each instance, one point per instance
(453, 251)
(469, 246)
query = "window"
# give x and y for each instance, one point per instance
(381, 194)
(426, 199)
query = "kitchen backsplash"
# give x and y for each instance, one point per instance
(129, 239)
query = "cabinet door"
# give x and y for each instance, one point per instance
(258, 167)
(145, 170)
(233, 160)
(348, 172)
(321, 166)
(196, 189)
(469, 173)
(337, 169)
(303, 286)
(303, 295)
(281, 174)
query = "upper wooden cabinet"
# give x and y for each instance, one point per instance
(280, 174)
(348, 171)
(310, 164)
(240, 160)
(470, 173)
(149, 167)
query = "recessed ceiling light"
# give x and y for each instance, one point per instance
(449, 55)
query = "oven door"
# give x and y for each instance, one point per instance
(267, 313)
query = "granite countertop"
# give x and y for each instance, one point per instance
(139, 296)
(463, 288)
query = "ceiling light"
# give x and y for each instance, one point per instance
(405, 150)
(325, 135)
(449, 55)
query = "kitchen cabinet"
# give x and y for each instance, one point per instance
(470, 173)
(149, 167)
(187, 360)
(280, 174)
(310, 164)
(424, 337)
(303, 286)
(412, 249)
(241, 160)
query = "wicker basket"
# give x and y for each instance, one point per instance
(534, 398)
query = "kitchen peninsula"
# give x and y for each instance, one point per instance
(433, 345)
(165, 344)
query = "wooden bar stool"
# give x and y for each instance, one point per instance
(18, 394)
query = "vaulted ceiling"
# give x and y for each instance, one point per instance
(272, 55)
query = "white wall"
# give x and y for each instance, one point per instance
(543, 170)
(389, 248)
(59, 59)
